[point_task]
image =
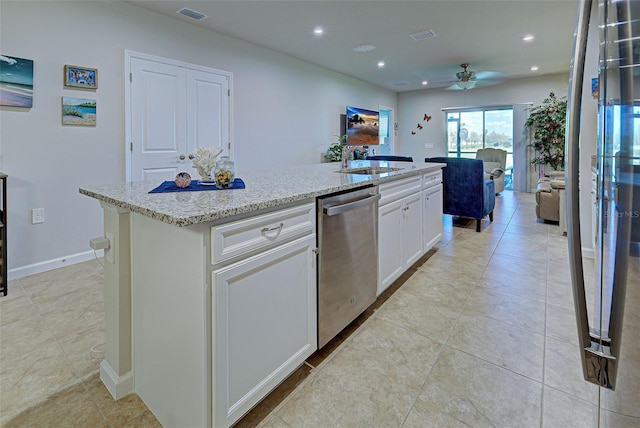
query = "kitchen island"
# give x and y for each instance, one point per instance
(210, 296)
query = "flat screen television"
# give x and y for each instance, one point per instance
(362, 127)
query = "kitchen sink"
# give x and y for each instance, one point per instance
(369, 170)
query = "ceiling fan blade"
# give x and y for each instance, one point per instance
(484, 75)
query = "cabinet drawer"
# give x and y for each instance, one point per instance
(249, 236)
(395, 190)
(431, 179)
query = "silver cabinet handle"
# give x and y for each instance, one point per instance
(181, 157)
(271, 229)
(191, 156)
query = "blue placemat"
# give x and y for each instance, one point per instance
(170, 186)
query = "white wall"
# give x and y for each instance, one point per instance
(286, 112)
(413, 106)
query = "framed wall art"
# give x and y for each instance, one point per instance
(80, 77)
(16, 82)
(78, 111)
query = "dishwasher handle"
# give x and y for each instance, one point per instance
(339, 209)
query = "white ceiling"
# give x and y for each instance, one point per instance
(485, 33)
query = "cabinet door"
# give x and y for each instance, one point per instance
(412, 230)
(432, 216)
(390, 261)
(264, 325)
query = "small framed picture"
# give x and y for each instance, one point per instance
(80, 77)
(78, 111)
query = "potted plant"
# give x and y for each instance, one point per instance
(334, 153)
(548, 123)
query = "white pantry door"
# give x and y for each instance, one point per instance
(174, 109)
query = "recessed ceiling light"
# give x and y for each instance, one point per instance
(528, 38)
(424, 83)
(364, 48)
(534, 68)
(380, 64)
(318, 31)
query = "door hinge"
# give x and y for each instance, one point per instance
(229, 145)
(131, 146)
(228, 92)
(130, 77)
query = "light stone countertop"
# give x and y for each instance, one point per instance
(264, 189)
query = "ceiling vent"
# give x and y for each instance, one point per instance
(192, 14)
(423, 35)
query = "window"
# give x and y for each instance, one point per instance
(471, 129)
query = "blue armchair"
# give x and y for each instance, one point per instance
(466, 193)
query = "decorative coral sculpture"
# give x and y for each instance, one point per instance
(204, 160)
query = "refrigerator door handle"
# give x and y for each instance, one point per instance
(596, 359)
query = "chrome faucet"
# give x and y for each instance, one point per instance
(347, 150)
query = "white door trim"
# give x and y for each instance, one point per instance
(128, 55)
(392, 128)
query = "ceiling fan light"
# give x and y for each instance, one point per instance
(466, 78)
(466, 84)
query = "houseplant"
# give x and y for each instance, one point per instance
(548, 123)
(334, 153)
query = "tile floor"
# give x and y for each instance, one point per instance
(481, 334)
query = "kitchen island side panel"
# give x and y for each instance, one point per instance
(171, 295)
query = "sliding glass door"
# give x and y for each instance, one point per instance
(471, 129)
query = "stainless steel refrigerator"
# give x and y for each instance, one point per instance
(609, 325)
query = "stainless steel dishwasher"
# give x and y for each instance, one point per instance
(348, 258)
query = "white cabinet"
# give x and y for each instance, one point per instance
(411, 230)
(431, 209)
(400, 229)
(264, 322)
(390, 266)
(228, 315)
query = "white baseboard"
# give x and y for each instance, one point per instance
(48, 265)
(118, 386)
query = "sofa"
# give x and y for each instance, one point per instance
(465, 191)
(495, 162)
(548, 201)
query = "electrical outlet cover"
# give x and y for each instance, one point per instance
(37, 215)
(108, 253)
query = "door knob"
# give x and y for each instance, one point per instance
(191, 156)
(182, 157)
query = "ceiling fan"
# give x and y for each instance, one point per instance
(468, 79)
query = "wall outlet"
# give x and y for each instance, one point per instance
(37, 215)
